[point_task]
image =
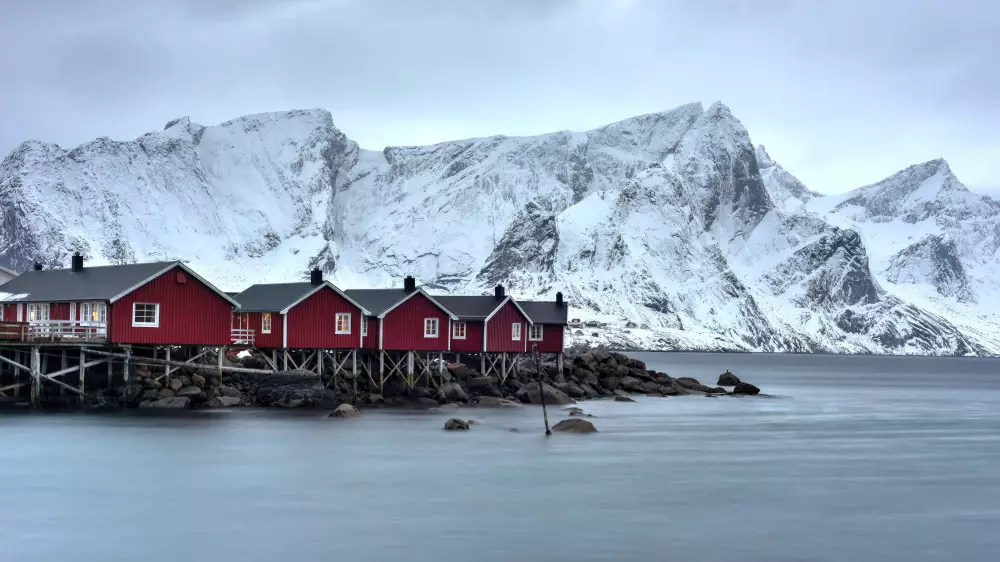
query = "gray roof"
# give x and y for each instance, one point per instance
(8, 271)
(271, 297)
(545, 312)
(469, 307)
(376, 301)
(100, 283)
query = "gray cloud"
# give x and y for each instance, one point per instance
(842, 93)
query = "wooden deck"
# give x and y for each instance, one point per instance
(53, 331)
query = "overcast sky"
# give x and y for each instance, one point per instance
(841, 92)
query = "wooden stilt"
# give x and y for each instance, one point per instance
(284, 367)
(83, 375)
(559, 362)
(381, 370)
(111, 374)
(441, 366)
(503, 368)
(36, 379)
(319, 363)
(62, 366)
(409, 369)
(168, 370)
(128, 367)
(222, 355)
(482, 359)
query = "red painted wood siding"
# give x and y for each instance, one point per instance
(312, 324)
(403, 328)
(371, 340)
(473, 342)
(57, 311)
(499, 331)
(254, 321)
(552, 339)
(190, 314)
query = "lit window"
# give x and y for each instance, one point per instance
(458, 330)
(145, 315)
(38, 312)
(265, 323)
(343, 323)
(535, 332)
(430, 327)
(515, 331)
(93, 312)
(364, 326)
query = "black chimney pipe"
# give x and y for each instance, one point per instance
(38, 266)
(77, 262)
(498, 293)
(409, 284)
(559, 299)
(316, 278)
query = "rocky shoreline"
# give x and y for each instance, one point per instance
(590, 375)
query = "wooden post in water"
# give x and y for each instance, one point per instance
(541, 389)
(83, 375)
(62, 367)
(36, 378)
(222, 355)
(128, 366)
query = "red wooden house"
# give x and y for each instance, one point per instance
(550, 320)
(313, 315)
(492, 324)
(150, 303)
(406, 319)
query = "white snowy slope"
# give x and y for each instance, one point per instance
(666, 231)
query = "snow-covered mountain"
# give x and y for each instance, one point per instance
(669, 230)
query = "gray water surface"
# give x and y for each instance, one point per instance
(856, 458)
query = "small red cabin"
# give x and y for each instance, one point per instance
(487, 323)
(150, 303)
(406, 319)
(550, 319)
(314, 315)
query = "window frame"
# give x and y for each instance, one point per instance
(541, 332)
(266, 323)
(436, 323)
(515, 331)
(156, 315)
(454, 330)
(336, 323)
(87, 310)
(2, 306)
(364, 326)
(35, 308)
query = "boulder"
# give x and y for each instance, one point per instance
(150, 394)
(611, 383)
(455, 423)
(746, 388)
(426, 403)
(498, 402)
(601, 355)
(223, 402)
(484, 386)
(650, 387)
(287, 389)
(587, 376)
(345, 411)
(177, 402)
(185, 380)
(376, 399)
(631, 384)
(529, 394)
(623, 399)
(575, 425)
(166, 393)
(229, 391)
(693, 384)
(728, 379)
(452, 392)
(175, 384)
(588, 391)
(575, 391)
(198, 380)
(190, 391)
(459, 371)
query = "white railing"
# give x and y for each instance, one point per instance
(66, 330)
(243, 337)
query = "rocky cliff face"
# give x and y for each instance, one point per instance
(671, 230)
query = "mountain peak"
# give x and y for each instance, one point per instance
(764, 159)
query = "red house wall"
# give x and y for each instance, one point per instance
(403, 328)
(371, 340)
(254, 321)
(552, 339)
(473, 342)
(190, 313)
(498, 330)
(312, 324)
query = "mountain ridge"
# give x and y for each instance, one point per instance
(670, 229)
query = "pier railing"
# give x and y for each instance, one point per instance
(14, 331)
(53, 331)
(241, 336)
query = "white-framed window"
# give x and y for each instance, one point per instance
(343, 322)
(515, 331)
(364, 326)
(536, 332)
(458, 330)
(93, 313)
(145, 315)
(20, 312)
(430, 327)
(1, 311)
(38, 312)
(265, 322)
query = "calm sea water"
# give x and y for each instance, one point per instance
(856, 458)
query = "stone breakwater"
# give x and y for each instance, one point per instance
(590, 375)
